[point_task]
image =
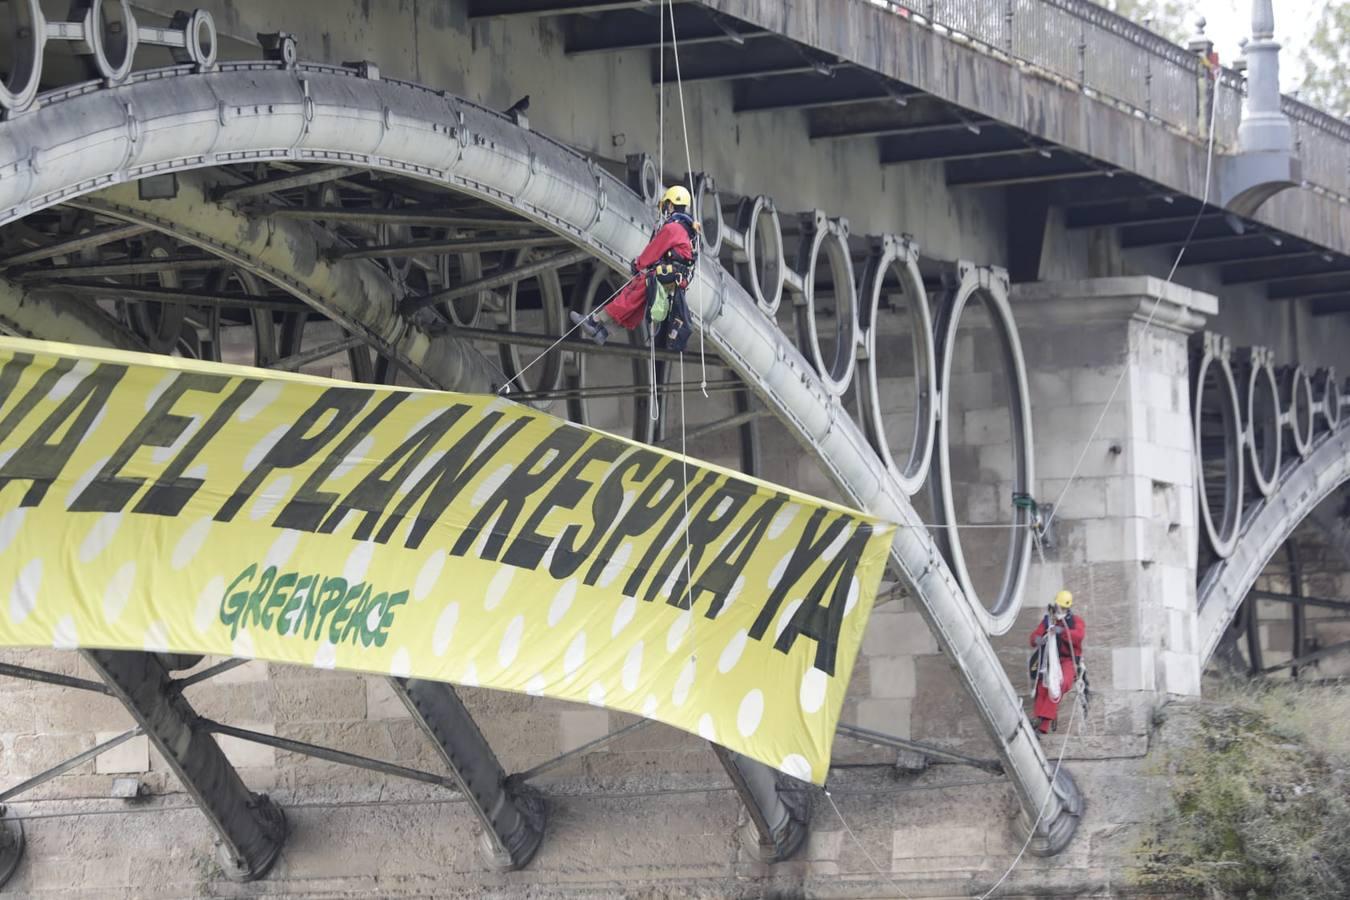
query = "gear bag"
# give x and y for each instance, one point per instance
(674, 331)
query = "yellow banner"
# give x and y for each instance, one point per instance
(151, 503)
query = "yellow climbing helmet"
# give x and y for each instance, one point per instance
(1064, 600)
(676, 196)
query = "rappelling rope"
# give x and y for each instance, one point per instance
(553, 346)
(1073, 476)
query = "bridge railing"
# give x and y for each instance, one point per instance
(1119, 61)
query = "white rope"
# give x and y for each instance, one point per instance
(689, 171)
(880, 871)
(562, 337)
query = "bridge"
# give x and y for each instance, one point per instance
(936, 249)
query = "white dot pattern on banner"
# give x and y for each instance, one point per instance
(498, 586)
(732, 654)
(425, 466)
(84, 481)
(854, 591)
(562, 602)
(781, 522)
(785, 618)
(546, 561)
(100, 535)
(422, 422)
(326, 656)
(258, 400)
(372, 618)
(736, 587)
(797, 766)
(359, 454)
(683, 684)
(261, 449)
(191, 543)
(632, 668)
(678, 629)
(271, 495)
(812, 693)
(157, 391)
(535, 686)
(156, 639)
(198, 472)
(445, 629)
(242, 646)
(615, 565)
(706, 729)
(71, 380)
(427, 576)
(282, 548)
(838, 543)
(118, 593)
(750, 713)
(624, 615)
(164, 454)
(649, 705)
(510, 646)
(65, 636)
(470, 676)
(358, 563)
(11, 523)
(490, 484)
(208, 603)
(401, 667)
(575, 655)
(595, 695)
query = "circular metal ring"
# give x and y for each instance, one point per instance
(903, 261)
(463, 311)
(836, 373)
(758, 220)
(649, 181)
(1222, 537)
(1329, 397)
(160, 325)
(574, 371)
(547, 375)
(112, 35)
(1263, 400)
(999, 617)
(708, 212)
(1297, 388)
(28, 40)
(201, 39)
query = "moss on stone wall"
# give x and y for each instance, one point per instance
(1259, 783)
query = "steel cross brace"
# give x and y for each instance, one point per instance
(512, 816)
(779, 819)
(251, 828)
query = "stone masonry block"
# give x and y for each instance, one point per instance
(1113, 540)
(381, 701)
(1181, 673)
(897, 633)
(1130, 496)
(581, 726)
(1050, 388)
(127, 758)
(930, 841)
(1132, 669)
(1095, 385)
(247, 754)
(1169, 428)
(988, 426)
(892, 677)
(824, 844)
(886, 716)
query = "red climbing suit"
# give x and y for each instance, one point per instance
(629, 307)
(1070, 649)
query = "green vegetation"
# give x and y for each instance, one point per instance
(1327, 61)
(1260, 779)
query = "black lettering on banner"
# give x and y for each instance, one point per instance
(296, 445)
(552, 454)
(45, 382)
(646, 511)
(448, 477)
(809, 548)
(307, 506)
(40, 461)
(664, 538)
(705, 527)
(720, 576)
(159, 428)
(605, 508)
(529, 546)
(375, 492)
(822, 623)
(170, 491)
(9, 378)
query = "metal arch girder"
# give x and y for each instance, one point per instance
(512, 817)
(355, 293)
(52, 315)
(320, 114)
(1266, 527)
(251, 828)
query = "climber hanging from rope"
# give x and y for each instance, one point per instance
(661, 273)
(1055, 663)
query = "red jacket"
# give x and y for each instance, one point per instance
(1070, 639)
(672, 237)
